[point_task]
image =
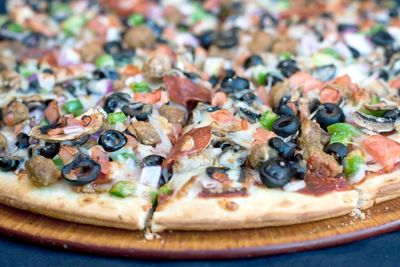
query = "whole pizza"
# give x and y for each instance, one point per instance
(199, 115)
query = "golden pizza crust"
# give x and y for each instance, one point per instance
(59, 201)
(377, 189)
(263, 207)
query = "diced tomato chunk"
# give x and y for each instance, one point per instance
(384, 150)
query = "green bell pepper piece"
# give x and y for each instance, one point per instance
(73, 24)
(136, 19)
(267, 119)
(141, 87)
(114, 118)
(58, 162)
(104, 61)
(342, 132)
(353, 163)
(74, 106)
(122, 189)
(14, 27)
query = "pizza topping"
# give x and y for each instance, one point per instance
(320, 164)
(343, 133)
(286, 126)
(338, 150)
(373, 123)
(322, 185)
(310, 138)
(275, 173)
(328, 114)
(3, 142)
(122, 189)
(182, 90)
(383, 150)
(152, 160)
(14, 113)
(116, 100)
(81, 171)
(354, 166)
(140, 111)
(49, 150)
(285, 149)
(112, 140)
(9, 163)
(233, 156)
(260, 153)
(146, 133)
(42, 171)
(173, 114)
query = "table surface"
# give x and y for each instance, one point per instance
(378, 251)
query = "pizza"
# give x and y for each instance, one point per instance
(199, 115)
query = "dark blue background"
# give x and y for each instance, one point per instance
(379, 251)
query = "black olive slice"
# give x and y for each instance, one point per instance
(286, 125)
(275, 173)
(112, 140)
(81, 171)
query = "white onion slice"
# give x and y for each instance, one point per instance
(150, 176)
(294, 186)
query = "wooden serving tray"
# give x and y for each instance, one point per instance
(382, 218)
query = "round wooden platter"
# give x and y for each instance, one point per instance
(382, 218)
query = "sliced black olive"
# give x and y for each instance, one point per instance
(81, 171)
(46, 128)
(113, 47)
(48, 71)
(112, 140)
(298, 167)
(286, 125)
(347, 27)
(393, 13)
(22, 140)
(116, 100)
(272, 79)
(213, 80)
(392, 114)
(32, 40)
(99, 75)
(152, 160)
(354, 52)
(111, 74)
(227, 39)
(313, 105)
(249, 115)
(124, 56)
(329, 114)
(253, 60)
(284, 109)
(235, 84)
(81, 140)
(213, 108)
(285, 149)
(248, 97)
(206, 38)
(275, 173)
(288, 67)
(8, 164)
(325, 73)
(338, 150)
(50, 150)
(383, 74)
(211, 171)
(191, 75)
(382, 38)
(139, 110)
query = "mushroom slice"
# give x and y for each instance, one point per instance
(381, 106)
(73, 132)
(372, 123)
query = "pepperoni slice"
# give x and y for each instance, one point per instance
(192, 142)
(182, 90)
